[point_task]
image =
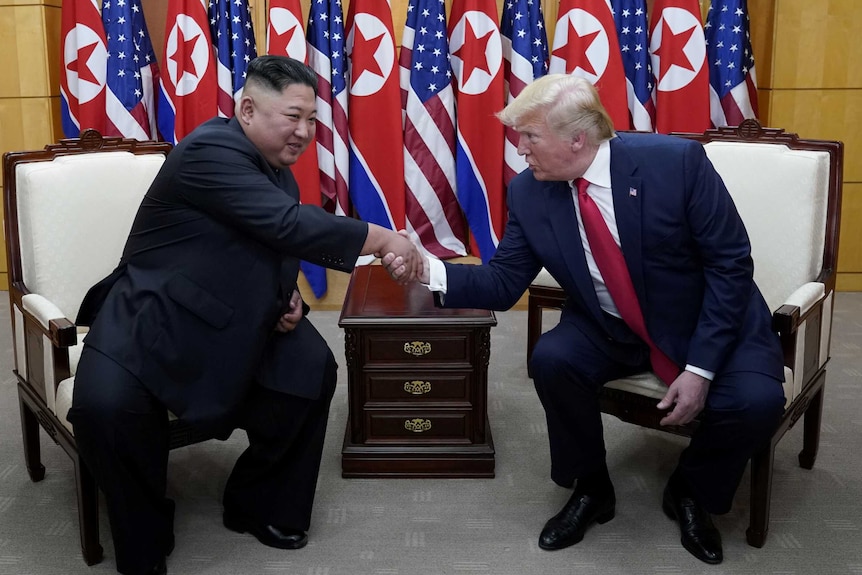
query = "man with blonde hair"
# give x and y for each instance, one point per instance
(641, 233)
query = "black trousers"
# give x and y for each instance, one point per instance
(742, 410)
(122, 433)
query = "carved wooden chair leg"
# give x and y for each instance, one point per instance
(811, 430)
(761, 494)
(88, 513)
(30, 434)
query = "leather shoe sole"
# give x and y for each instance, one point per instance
(569, 525)
(269, 535)
(697, 533)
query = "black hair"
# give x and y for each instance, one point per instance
(279, 72)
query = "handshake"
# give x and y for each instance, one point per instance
(401, 258)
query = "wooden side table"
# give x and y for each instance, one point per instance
(417, 382)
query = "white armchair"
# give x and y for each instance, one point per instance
(68, 211)
(788, 192)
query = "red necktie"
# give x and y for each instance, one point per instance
(611, 263)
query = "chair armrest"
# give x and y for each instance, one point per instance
(787, 318)
(54, 323)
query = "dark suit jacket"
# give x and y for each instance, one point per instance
(684, 244)
(213, 253)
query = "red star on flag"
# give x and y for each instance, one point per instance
(80, 67)
(574, 52)
(364, 50)
(671, 50)
(278, 43)
(472, 52)
(188, 47)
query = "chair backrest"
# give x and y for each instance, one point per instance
(787, 191)
(69, 209)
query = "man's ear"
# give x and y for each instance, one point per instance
(245, 109)
(579, 141)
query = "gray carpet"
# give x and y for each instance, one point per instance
(469, 527)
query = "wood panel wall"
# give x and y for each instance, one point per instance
(807, 62)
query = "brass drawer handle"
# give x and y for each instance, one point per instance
(417, 387)
(417, 425)
(417, 348)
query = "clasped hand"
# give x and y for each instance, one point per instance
(402, 258)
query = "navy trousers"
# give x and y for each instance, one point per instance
(742, 410)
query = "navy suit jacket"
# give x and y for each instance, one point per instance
(211, 258)
(684, 244)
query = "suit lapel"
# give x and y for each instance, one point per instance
(564, 224)
(628, 198)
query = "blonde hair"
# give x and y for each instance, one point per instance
(570, 105)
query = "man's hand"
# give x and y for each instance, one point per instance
(394, 263)
(287, 322)
(687, 395)
(401, 258)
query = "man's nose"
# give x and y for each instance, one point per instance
(305, 130)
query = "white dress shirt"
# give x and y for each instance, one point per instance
(598, 174)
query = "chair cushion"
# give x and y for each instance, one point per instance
(545, 279)
(789, 186)
(76, 225)
(647, 384)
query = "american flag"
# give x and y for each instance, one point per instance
(428, 102)
(132, 71)
(733, 85)
(233, 39)
(525, 58)
(631, 20)
(328, 57)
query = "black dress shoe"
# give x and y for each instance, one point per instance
(698, 535)
(159, 568)
(279, 537)
(568, 526)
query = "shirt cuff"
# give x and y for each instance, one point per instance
(437, 280)
(710, 375)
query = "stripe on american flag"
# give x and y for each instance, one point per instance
(328, 58)
(428, 102)
(733, 84)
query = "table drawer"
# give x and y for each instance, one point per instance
(414, 347)
(417, 387)
(413, 427)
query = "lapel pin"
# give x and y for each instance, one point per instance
(633, 192)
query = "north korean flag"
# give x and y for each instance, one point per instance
(285, 37)
(678, 54)
(188, 85)
(476, 53)
(376, 179)
(84, 57)
(586, 44)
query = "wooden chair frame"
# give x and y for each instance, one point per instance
(62, 334)
(640, 410)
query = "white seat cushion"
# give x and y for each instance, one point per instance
(647, 384)
(780, 195)
(74, 226)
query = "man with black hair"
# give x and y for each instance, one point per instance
(202, 318)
